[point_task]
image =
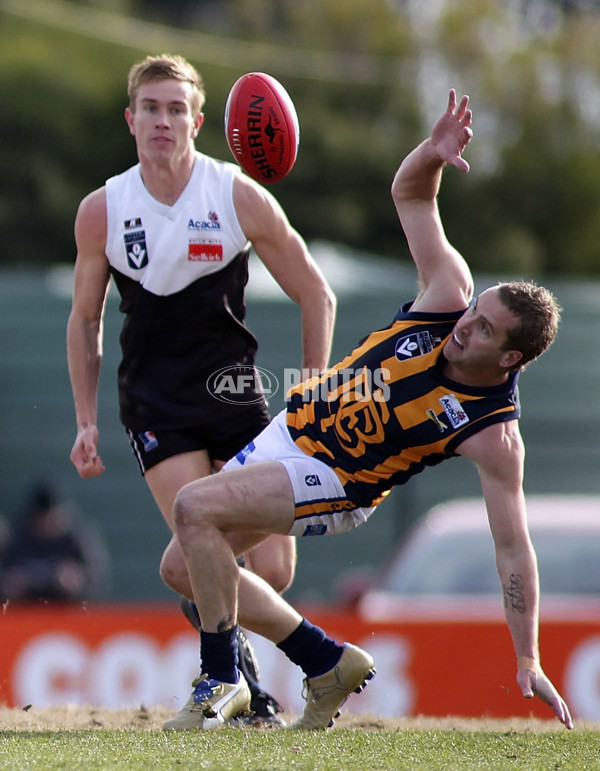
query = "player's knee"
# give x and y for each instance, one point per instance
(280, 580)
(186, 509)
(278, 574)
(274, 560)
(173, 571)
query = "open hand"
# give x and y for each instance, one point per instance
(534, 682)
(452, 132)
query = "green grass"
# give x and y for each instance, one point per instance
(336, 750)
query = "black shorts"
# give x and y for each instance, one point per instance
(222, 439)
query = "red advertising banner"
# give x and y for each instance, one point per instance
(126, 656)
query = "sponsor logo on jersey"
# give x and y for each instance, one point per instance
(149, 440)
(137, 252)
(210, 223)
(205, 251)
(439, 423)
(245, 452)
(136, 222)
(315, 530)
(415, 344)
(312, 480)
(341, 505)
(453, 409)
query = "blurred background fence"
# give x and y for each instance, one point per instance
(559, 393)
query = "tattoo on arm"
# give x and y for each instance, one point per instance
(225, 624)
(514, 595)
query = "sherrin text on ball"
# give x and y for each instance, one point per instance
(261, 126)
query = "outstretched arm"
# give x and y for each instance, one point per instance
(286, 256)
(499, 454)
(445, 280)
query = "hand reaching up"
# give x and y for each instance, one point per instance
(452, 132)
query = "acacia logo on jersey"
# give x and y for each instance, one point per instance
(210, 223)
(242, 384)
(454, 410)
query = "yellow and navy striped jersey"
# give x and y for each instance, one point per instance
(387, 411)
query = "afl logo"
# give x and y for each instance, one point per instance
(242, 384)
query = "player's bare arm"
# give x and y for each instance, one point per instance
(445, 281)
(286, 256)
(84, 329)
(499, 453)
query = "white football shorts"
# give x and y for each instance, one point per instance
(322, 507)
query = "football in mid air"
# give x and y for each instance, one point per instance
(261, 127)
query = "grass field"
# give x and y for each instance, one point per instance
(86, 738)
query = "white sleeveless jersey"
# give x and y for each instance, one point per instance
(181, 272)
(166, 248)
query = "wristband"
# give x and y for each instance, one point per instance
(526, 662)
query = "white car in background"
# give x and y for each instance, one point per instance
(445, 566)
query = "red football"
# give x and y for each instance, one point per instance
(261, 127)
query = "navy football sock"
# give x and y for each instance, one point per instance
(219, 651)
(309, 647)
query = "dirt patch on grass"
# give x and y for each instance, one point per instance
(77, 718)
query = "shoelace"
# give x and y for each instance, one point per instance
(305, 689)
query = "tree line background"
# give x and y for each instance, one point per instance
(367, 77)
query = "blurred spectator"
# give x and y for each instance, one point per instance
(49, 553)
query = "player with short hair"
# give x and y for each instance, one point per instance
(439, 382)
(174, 233)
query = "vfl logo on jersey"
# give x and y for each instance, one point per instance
(416, 344)
(135, 246)
(312, 480)
(136, 222)
(439, 423)
(205, 251)
(149, 440)
(453, 409)
(244, 453)
(210, 223)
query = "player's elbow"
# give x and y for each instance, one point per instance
(328, 301)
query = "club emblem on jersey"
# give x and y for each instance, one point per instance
(136, 222)
(416, 344)
(454, 411)
(135, 246)
(359, 424)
